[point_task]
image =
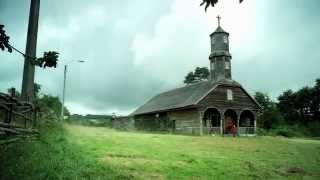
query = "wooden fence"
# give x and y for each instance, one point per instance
(16, 117)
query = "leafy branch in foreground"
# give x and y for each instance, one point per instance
(49, 59)
(4, 40)
(211, 2)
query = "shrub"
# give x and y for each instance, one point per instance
(287, 131)
(314, 128)
(262, 132)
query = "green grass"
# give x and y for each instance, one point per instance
(78, 152)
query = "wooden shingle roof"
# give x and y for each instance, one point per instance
(181, 97)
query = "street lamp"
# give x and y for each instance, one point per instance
(64, 85)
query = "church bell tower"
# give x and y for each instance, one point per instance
(220, 57)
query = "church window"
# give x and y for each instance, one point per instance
(225, 39)
(229, 95)
(227, 65)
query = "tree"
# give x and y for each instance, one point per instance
(199, 74)
(189, 78)
(315, 107)
(207, 3)
(49, 103)
(49, 59)
(271, 116)
(263, 99)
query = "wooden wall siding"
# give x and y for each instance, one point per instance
(218, 98)
(185, 118)
(124, 123)
(150, 122)
(186, 121)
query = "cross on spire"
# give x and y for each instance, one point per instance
(218, 17)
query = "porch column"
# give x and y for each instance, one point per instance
(221, 121)
(201, 125)
(238, 125)
(255, 124)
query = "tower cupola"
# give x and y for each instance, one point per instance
(220, 57)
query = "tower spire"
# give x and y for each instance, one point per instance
(218, 17)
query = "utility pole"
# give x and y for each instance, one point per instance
(64, 85)
(27, 92)
(64, 91)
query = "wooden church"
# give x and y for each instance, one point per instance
(216, 106)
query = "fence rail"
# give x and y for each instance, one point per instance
(16, 117)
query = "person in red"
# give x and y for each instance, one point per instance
(234, 130)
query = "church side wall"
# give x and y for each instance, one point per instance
(186, 121)
(152, 122)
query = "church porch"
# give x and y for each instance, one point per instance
(228, 122)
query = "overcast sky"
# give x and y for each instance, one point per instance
(135, 49)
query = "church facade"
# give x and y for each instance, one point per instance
(217, 106)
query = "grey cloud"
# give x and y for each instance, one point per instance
(136, 49)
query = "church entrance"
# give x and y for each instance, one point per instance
(230, 122)
(211, 121)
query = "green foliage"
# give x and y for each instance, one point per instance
(263, 99)
(207, 3)
(189, 78)
(286, 131)
(199, 74)
(314, 128)
(271, 116)
(4, 40)
(302, 107)
(49, 59)
(48, 103)
(53, 156)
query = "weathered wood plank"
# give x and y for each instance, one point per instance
(218, 98)
(9, 130)
(12, 140)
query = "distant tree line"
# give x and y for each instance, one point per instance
(294, 112)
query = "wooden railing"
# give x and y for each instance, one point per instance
(246, 130)
(214, 130)
(211, 130)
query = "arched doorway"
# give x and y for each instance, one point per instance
(246, 122)
(230, 119)
(211, 121)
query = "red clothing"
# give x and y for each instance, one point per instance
(234, 130)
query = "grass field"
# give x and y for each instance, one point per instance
(78, 152)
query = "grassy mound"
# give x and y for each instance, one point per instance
(52, 156)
